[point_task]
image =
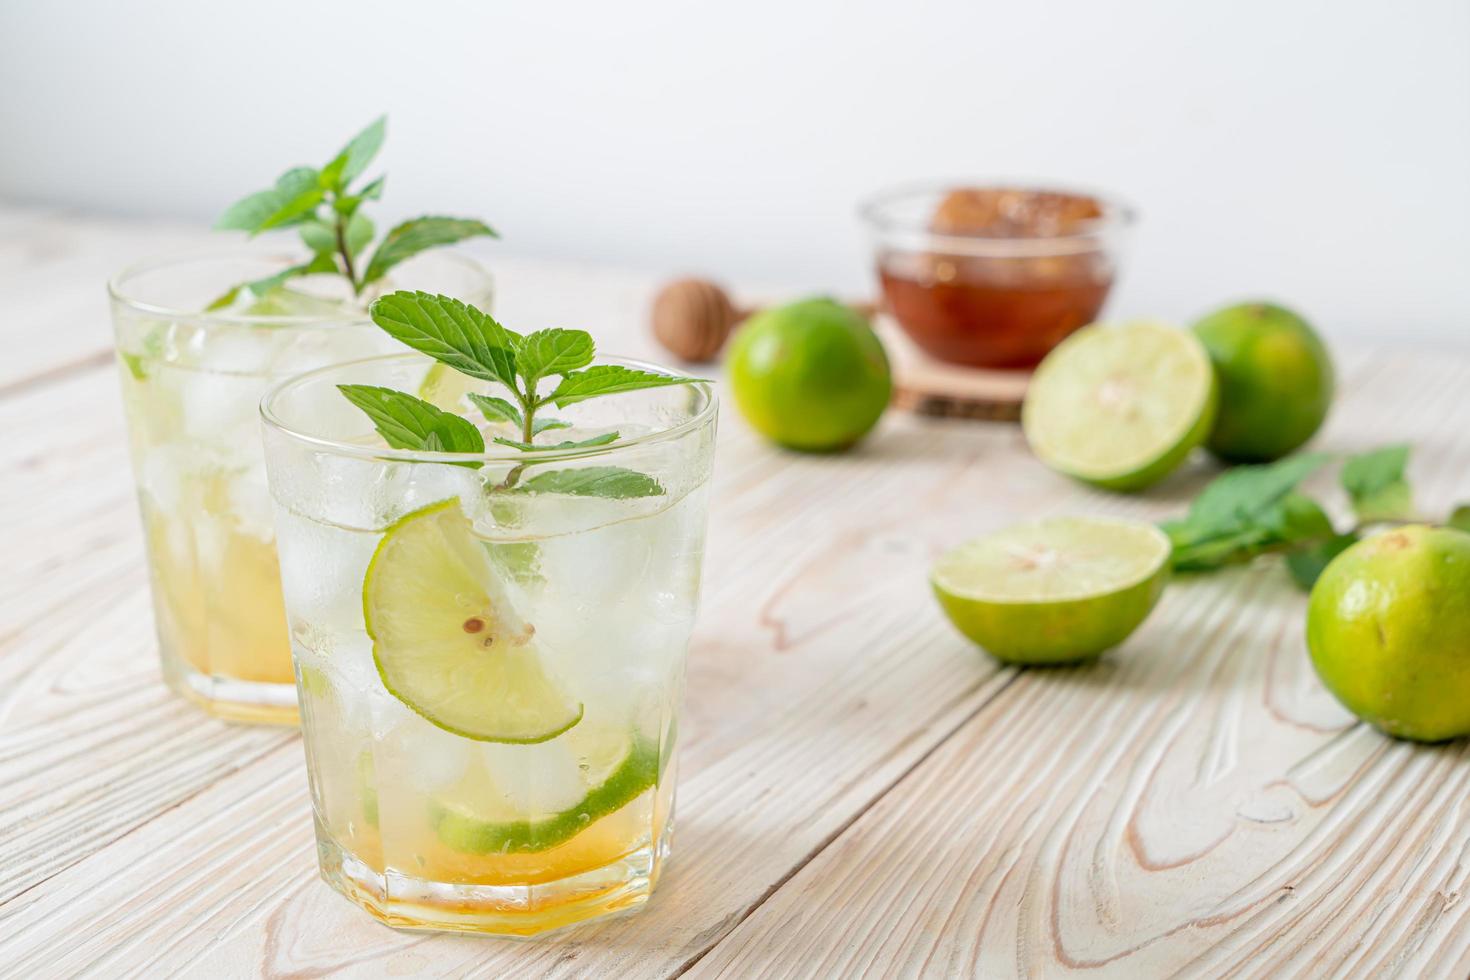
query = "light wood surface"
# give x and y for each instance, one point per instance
(861, 792)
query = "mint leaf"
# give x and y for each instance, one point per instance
(355, 156)
(414, 236)
(601, 440)
(1307, 564)
(406, 422)
(1460, 519)
(1246, 511)
(608, 379)
(359, 233)
(1241, 497)
(321, 262)
(552, 352)
(373, 191)
(250, 212)
(447, 330)
(1375, 482)
(224, 299)
(496, 409)
(318, 235)
(543, 425)
(613, 482)
(297, 194)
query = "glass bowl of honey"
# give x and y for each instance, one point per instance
(994, 275)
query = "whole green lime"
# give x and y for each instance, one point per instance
(811, 375)
(1276, 381)
(1388, 626)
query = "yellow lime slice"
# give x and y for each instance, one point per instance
(444, 387)
(1055, 591)
(1121, 406)
(446, 640)
(607, 769)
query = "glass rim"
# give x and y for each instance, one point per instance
(1118, 216)
(117, 292)
(504, 454)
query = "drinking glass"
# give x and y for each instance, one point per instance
(490, 648)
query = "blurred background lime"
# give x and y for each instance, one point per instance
(1121, 406)
(1276, 381)
(810, 375)
(1388, 626)
(1055, 591)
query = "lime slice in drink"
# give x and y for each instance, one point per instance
(1121, 406)
(446, 640)
(607, 769)
(1055, 591)
(444, 387)
(285, 301)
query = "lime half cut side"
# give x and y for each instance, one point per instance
(1056, 591)
(446, 640)
(1121, 406)
(444, 387)
(608, 769)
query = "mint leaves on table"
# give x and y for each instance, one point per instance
(473, 343)
(322, 205)
(1255, 510)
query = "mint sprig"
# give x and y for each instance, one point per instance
(323, 206)
(1256, 510)
(473, 343)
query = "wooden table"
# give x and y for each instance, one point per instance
(861, 792)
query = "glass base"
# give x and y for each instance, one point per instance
(522, 911)
(247, 702)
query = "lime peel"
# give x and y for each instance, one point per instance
(632, 774)
(1054, 591)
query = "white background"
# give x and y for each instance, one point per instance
(1316, 152)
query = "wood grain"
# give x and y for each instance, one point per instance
(861, 792)
(1193, 805)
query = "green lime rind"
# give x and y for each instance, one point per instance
(1027, 616)
(1276, 381)
(811, 376)
(427, 577)
(1388, 631)
(461, 829)
(1121, 407)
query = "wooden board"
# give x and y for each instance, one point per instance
(861, 793)
(929, 386)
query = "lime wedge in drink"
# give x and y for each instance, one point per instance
(446, 640)
(1121, 406)
(285, 301)
(1055, 591)
(608, 769)
(444, 387)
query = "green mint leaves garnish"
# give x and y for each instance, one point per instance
(473, 343)
(322, 205)
(1375, 482)
(595, 481)
(406, 422)
(1255, 510)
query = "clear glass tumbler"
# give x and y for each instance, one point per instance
(191, 384)
(490, 649)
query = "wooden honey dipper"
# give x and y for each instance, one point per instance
(693, 317)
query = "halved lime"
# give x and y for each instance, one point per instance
(444, 387)
(609, 768)
(1055, 591)
(446, 639)
(1121, 406)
